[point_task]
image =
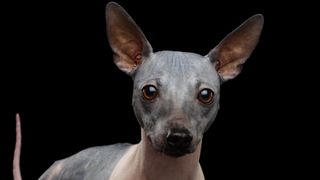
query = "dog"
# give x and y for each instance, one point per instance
(175, 100)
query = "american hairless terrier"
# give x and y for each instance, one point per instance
(175, 99)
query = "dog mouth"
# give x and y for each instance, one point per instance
(171, 150)
(177, 151)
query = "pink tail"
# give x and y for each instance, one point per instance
(17, 151)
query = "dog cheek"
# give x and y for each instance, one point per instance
(160, 131)
(196, 129)
(211, 117)
(137, 111)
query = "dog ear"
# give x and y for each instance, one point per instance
(233, 51)
(126, 39)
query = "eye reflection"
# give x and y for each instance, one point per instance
(149, 92)
(205, 96)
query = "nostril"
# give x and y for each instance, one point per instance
(179, 139)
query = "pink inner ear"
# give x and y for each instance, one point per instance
(217, 66)
(126, 39)
(233, 51)
(138, 57)
(129, 52)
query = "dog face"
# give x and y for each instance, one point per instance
(176, 94)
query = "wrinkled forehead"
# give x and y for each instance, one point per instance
(176, 67)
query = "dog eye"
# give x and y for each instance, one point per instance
(206, 96)
(149, 92)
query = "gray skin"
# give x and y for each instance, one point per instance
(178, 77)
(94, 163)
(176, 107)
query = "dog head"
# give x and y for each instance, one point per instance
(176, 94)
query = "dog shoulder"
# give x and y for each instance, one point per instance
(92, 163)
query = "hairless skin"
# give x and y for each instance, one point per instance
(175, 100)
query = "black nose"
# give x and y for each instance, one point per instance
(179, 139)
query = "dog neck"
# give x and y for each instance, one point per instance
(144, 163)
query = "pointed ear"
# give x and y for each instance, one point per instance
(233, 51)
(126, 39)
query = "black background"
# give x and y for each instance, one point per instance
(57, 72)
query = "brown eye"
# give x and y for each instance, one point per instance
(206, 96)
(149, 92)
